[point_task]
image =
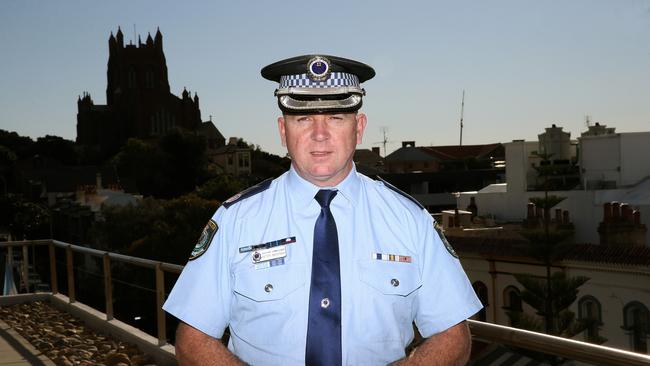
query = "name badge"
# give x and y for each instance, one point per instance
(263, 255)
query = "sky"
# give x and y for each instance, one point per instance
(523, 65)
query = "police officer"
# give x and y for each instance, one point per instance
(322, 265)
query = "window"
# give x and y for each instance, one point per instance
(482, 293)
(131, 79)
(589, 310)
(149, 78)
(512, 299)
(636, 321)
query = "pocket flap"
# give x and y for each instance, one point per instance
(269, 284)
(390, 278)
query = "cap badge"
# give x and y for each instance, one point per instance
(318, 68)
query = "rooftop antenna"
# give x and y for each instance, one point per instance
(462, 110)
(135, 36)
(384, 131)
(588, 120)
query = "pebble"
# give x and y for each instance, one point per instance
(66, 340)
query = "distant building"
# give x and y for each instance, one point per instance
(232, 158)
(138, 99)
(611, 167)
(421, 159)
(369, 162)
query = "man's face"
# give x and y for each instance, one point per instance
(322, 146)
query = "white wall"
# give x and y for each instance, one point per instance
(635, 152)
(614, 286)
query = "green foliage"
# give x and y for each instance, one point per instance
(220, 188)
(164, 230)
(170, 167)
(20, 145)
(24, 219)
(7, 157)
(57, 148)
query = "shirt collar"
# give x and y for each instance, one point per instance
(303, 192)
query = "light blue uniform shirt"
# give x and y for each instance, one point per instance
(380, 298)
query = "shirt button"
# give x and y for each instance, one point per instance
(394, 282)
(325, 303)
(268, 287)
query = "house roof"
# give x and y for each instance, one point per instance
(589, 253)
(367, 157)
(445, 153)
(456, 152)
(411, 154)
(208, 129)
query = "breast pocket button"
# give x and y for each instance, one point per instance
(394, 282)
(268, 287)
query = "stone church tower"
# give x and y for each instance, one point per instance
(138, 99)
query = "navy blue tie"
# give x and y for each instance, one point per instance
(324, 326)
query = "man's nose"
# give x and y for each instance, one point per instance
(320, 130)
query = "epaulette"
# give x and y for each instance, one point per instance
(248, 192)
(392, 187)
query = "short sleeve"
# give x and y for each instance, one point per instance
(446, 297)
(202, 294)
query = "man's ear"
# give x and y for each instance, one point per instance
(282, 131)
(361, 126)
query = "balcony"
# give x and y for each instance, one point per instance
(493, 344)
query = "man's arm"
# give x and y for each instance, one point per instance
(451, 347)
(194, 347)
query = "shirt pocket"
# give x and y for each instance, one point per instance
(265, 302)
(389, 291)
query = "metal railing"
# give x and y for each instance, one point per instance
(537, 342)
(160, 268)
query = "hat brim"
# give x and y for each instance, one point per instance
(350, 103)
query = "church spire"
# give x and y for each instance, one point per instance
(120, 37)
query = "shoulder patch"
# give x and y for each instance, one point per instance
(204, 241)
(248, 192)
(448, 246)
(392, 187)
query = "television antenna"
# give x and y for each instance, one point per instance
(385, 141)
(462, 110)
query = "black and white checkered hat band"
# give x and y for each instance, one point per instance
(335, 79)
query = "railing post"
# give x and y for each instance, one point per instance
(54, 283)
(160, 299)
(108, 287)
(25, 268)
(70, 267)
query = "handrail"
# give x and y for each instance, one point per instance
(159, 267)
(564, 347)
(539, 342)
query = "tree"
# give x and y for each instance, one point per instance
(25, 220)
(164, 230)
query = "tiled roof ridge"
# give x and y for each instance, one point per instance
(584, 252)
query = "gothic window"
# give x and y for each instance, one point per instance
(636, 320)
(589, 310)
(149, 79)
(131, 78)
(482, 293)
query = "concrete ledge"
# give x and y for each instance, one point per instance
(164, 355)
(16, 350)
(10, 300)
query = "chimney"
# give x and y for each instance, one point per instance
(616, 211)
(531, 211)
(626, 213)
(232, 141)
(607, 212)
(376, 150)
(624, 227)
